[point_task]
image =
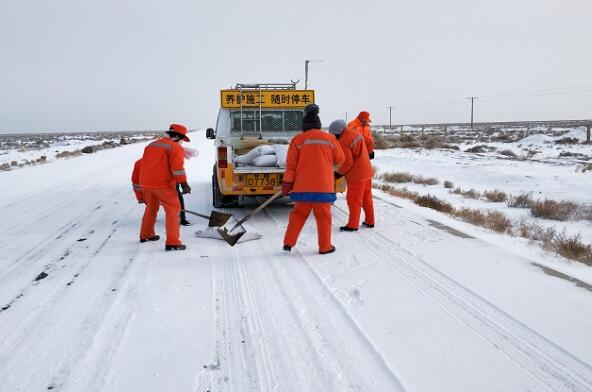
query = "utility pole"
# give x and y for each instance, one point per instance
(306, 71)
(472, 104)
(390, 108)
(346, 117)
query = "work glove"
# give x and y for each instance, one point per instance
(338, 176)
(371, 155)
(287, 188)
(141, 201)
(185, 188)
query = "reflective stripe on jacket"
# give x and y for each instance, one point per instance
(310, 164)
(357, 166)
(365, 131)
(136, 180)
(162, 164)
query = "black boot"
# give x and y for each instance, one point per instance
(328, 251)
(185, 222)
(367, 225)
(287, 248)
(175, 247)
(347, 228)
(153, 238)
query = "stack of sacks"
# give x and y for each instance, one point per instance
(265, 156)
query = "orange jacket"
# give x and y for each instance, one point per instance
(311, 160)
(136, 180)
(357, 165)
(162, 164)
(365, 131)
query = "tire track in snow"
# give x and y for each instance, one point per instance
(549, 364)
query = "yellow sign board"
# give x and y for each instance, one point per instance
(269, 99)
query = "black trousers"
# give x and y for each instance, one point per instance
(182, 215)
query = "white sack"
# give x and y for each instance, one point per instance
(254, 153)
(265, 161)
(212, 232)
(281, 152)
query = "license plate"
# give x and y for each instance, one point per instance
(262, 180)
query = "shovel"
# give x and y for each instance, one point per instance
(216, 219)
(226, 231)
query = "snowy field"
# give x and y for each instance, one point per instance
(420, 303)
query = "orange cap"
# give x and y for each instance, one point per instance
(180, 129)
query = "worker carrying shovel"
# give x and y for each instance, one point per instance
(309, 180)
(358, 173)
(160, 169)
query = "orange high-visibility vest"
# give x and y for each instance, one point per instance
(365, 131)
(162, 164)
(311, 160)
(357, 166)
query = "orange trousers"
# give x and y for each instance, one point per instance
(299, 215)
(168, 198)
(359, 196)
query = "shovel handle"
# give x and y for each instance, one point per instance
(196, 214)
(256, 210)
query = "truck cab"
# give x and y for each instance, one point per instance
(251, 115)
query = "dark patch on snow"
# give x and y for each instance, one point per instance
(5, 307)
(114, 223)
(49, 388)
(41, 276)
(203, 256)
(72, 281)
(560, 275)
(81, 239)
(448, 229)
(113, 289)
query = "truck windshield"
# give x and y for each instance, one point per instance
(271, 120)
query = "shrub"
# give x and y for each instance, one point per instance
(573, 248)
(522, 200)
(498, 222)
(587, 167)
(434, 203)
(403, 193)
(399, 177)
(495, 196)
(552, 209)
(470, 215)
(448, 184)
(508, 153)
(425, 181)
(476, 149)
(471, 194)
(380, 142)
(567, 140)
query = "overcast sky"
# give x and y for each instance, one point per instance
(73, 65)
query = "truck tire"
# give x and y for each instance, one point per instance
(217, 197)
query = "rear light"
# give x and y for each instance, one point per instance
(222, 157)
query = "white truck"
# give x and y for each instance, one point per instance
(252, 114)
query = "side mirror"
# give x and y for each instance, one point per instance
(210, 134)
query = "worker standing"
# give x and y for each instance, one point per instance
(358, 174)
(362, 125)
(161, 169)
(309, 180)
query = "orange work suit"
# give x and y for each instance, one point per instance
(358, 173)
(310, 164)
(365, 131)
(161, 169)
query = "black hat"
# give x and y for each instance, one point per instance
(311, 118)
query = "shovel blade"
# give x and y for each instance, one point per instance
(231, 237)
(218, 219)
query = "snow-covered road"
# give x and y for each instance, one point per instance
(411, 305)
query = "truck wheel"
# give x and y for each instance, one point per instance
(217, 197)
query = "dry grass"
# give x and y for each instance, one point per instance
(398, 177)
(448, 184)
(522, 200)
(555, 210)
(402, 177)
(495, 196)
(381, 142)
(572, 248)
(476, 149)
(434, 203)
(425, 181)
(471, 193)
(587, 167)
(508, 153)
(403, 193)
